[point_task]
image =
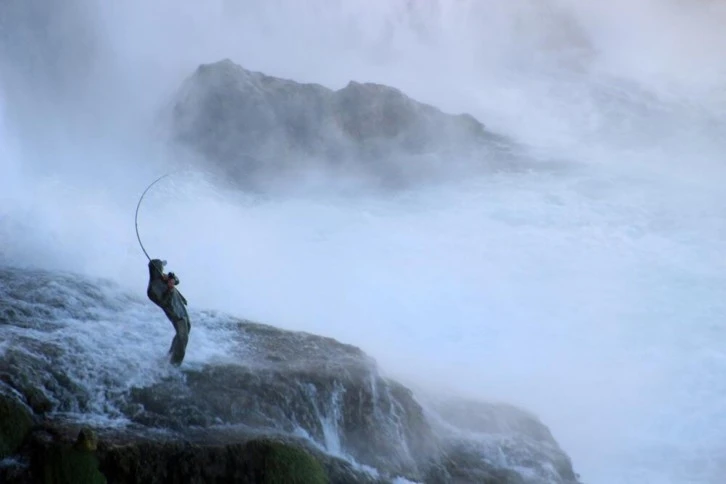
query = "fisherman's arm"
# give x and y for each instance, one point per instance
(173, 277)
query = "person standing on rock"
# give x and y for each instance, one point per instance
(163, 292)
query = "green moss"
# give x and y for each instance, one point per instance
(281, 463)
(15, 422)
(63, 464)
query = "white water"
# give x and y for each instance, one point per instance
(592, 297)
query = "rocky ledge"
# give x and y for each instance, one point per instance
(282, 407)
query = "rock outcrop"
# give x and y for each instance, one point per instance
(15, 422)
(257, 127)
(503, 436)
(297, 383)
(281, 406)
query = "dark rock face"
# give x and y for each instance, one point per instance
(257, 127)
(281, 406)
(299, 383)
(55, 461)
(15, 423)
(259, 460)
(55, 458)
(526, 442)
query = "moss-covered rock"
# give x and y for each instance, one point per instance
(125, 458)
(55, 460)
(15, 423)
(65, 464)
(312, 383)
(86, 440)
(259, 461)
(279, 463)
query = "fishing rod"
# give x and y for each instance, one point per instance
(136, 223)
(138, 205)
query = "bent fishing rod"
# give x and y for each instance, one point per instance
(136, 217)
(136, 223)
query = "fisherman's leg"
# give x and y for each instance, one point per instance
(173, 343)
(170, 316)
(179, 343)
(176, 340)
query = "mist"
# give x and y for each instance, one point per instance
(591, 296)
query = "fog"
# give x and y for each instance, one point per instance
(591, 296)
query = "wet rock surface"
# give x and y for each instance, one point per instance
(282, 404)
(297, 382)
(15, 422)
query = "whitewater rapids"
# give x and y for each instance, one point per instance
(592, 296)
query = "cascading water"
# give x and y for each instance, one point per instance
(591, 295)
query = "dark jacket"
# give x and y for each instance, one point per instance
(162, 292)
(164, 295)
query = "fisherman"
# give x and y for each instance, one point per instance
(163, 292)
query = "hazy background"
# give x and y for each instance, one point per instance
(593, 297)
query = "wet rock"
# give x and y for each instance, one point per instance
(494, 442)
(125, 457)
(464, 464)
(330, 391)
(57, 461)
(256, 461)
(15, 423)
(254, 126)
(15, 470)
(67, 465)
(86, 440)
(281, 401)
(276, 462)
(44, 387)
(34, 397)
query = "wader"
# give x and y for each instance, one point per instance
(162, 292)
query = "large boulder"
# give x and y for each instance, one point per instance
(298, 383)
(492, 440)
(279, 403)
(257, 127)
(117, 456)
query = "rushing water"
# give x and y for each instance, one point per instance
(591, 295)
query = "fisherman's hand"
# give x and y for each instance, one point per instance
(173, 276)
